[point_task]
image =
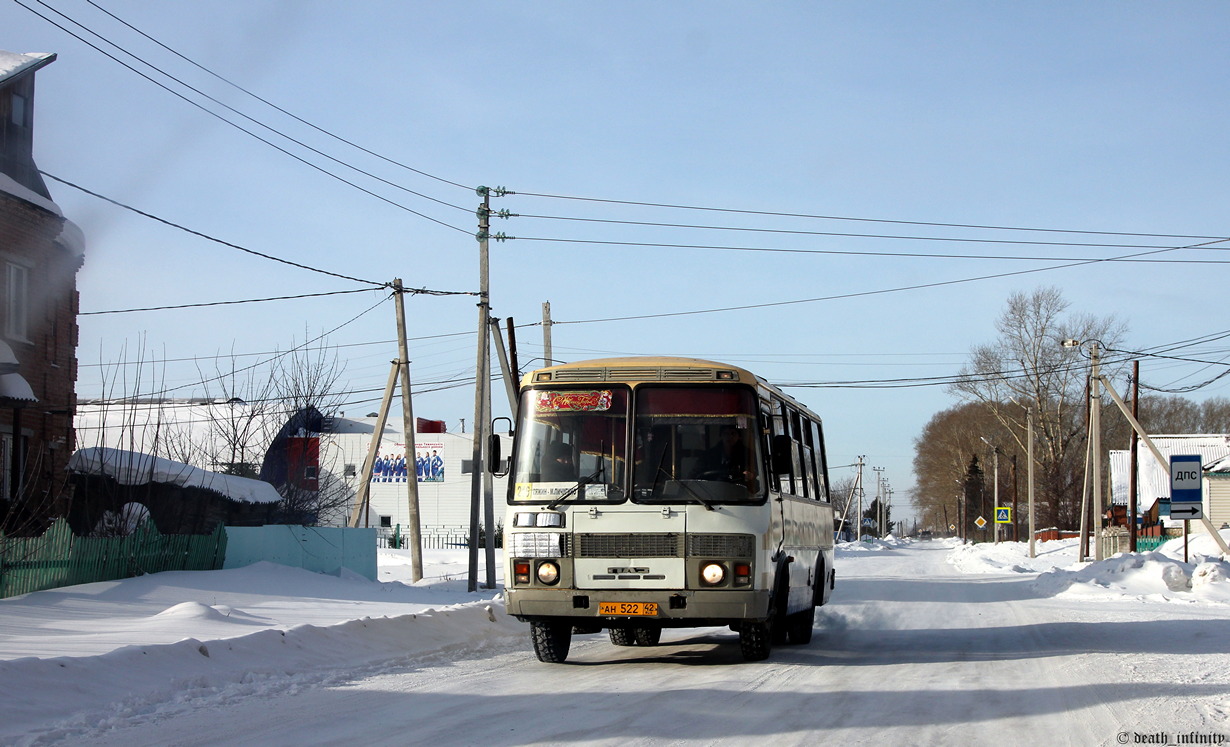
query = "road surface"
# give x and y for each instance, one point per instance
(910, 651)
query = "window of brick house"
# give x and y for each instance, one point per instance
(16, 301)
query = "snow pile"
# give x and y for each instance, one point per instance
(81, 659)
(1161, 576)
(1012, 557)
(869, 543)
(1145, 576)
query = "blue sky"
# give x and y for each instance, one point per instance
(1098, 116)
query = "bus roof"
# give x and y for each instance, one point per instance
(637, 369)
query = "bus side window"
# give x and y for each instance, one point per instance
(783, 459)
(802, 460)
(822, 467)
(767, 441)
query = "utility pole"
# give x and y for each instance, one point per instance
(546, 334)
(1095, 427)
(481, 376)
(510, 384)
(994, 487)
(1132, 486)
(879, 500)
(413, 530)
(359, 512)
(858, 533)
(512, 354)
(1029, 456)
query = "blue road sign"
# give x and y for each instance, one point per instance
(1186, 483)
(1003, 515)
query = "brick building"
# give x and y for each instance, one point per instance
(40, 253)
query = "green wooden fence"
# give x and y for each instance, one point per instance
(58, 558)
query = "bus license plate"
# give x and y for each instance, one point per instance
(635, 609)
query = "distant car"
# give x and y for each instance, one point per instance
(925, 534)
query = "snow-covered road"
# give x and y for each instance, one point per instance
(911, 651)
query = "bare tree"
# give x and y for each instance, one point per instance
(942, 455)
(1027, 370)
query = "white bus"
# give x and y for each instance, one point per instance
(651, 493)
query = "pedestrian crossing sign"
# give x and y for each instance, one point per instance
(1003, 515)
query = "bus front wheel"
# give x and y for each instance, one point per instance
(756, 640)
(551, 640)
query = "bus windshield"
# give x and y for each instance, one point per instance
(690, 444)
(571, 446)
(696, 445)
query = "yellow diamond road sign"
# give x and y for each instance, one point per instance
(980, 522)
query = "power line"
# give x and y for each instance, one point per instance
(288, 352)
(796, 232)
(243, 129)
(207, 237)
(275, 106)
(814, 216)
(881, 291)
(272, 352)
(227, 303)
(915, 255)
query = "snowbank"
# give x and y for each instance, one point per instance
(1160, 576)
(83, 658)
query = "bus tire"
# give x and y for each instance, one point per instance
(622, 636)
(551, 639)
(756, 640)
(647, 635)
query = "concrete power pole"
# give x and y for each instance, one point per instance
(413, 530)
(481, 377)
(546, 334)
(1095, 428)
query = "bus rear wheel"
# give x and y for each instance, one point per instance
(622, 636)
(756, 640)
(647, 635)
(799, 626)
(551, 640)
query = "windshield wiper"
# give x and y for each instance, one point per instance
(683, 484)
(657, 480)
(587, 480)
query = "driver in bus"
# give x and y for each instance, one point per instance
(729, 460)
(557, 464)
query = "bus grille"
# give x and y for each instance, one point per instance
(721, 545)
(629, 545)
(664, 545)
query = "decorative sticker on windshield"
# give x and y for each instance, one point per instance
(556, 401)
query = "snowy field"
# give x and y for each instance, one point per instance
(930, 639)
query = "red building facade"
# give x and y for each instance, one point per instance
(40, 253)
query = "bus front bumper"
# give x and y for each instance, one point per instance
(675, 607)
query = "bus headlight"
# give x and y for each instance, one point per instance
(712, 574)
(548, 572)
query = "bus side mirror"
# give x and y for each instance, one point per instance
(782, 460)
(494, 460)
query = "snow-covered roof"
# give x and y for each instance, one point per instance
(220, 431)
(133, 468)
(13, 64)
